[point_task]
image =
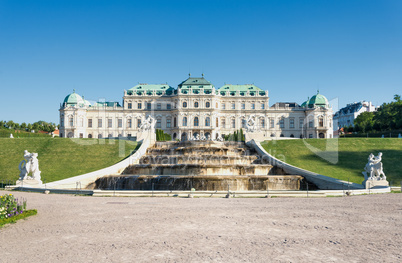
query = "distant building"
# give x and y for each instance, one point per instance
(194, 108)
(345, 117)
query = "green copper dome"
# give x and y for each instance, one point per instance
(318, 101)
(73, 99)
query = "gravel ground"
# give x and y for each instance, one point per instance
(118, 229)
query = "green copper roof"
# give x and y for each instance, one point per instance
(149, 88)
(251, 88)
(73, 99)
(195, 82)
(318, 101)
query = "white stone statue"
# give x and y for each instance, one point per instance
(148, 124)
(202, 137)
(219, 139)
(208, 137)
(12, 137)
(30, 165)
(373, 169)
(197, 138)
(251, 124)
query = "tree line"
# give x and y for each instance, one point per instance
(36, 126)
(387, 117)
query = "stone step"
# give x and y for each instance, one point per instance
(198, 159)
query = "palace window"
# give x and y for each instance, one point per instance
(272, 123)
(262, 123)
(109, 123)
(71, 121)
(207, 104)
(184, 104)
(196, 104)
(89, 123)
(223, 106)
(149, 106)
(301, 122)
(129, 105)
(223, 123)
(139, 105)
(168, 123)
(321, 122)
(196, 121)
(207, 121)
(243, 123)
(311, 124)
(233, 106)
(129, 123)
(243, 106)
(99, 123)
(62, 123)
(291, 123)
(262, 106)
(159, 123)
(233, 123)
(253, 106)
(158, 106)
(281, 123)
(138, 123)
(184, 121)
(168, 106)
(120, 123)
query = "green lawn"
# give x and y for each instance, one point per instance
(350, 160)
(61, 158)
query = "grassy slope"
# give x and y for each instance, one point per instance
(352, 156)
(61, 158)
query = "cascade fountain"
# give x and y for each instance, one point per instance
(200, 165)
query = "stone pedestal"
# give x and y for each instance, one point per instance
(29, 183)
(375, 183)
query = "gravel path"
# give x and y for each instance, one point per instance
(117, 229)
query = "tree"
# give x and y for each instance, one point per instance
(10, 124)
(29, 127)
(364, 121)
(23, 125)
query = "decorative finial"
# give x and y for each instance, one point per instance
(202, 74)
(189, 74)
(73, 90)
(318, 91)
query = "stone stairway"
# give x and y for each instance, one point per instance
(202, 165)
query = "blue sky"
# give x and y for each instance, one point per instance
(350, 50)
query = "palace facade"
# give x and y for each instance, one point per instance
(194, 108)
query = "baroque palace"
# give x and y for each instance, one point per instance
(196, 107)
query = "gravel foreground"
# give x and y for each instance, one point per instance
(119, 229)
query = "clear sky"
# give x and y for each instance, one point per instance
(350, 50)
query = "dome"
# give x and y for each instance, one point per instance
(305, 103)
(318, 101)
(73, 99)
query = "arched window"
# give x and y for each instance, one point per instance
(184, 121)
(207, 121)
(207, 105)
(99, 136)
(196, 104)
(89, 135)
(184, 104)
(292, 136)
(196, 121)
